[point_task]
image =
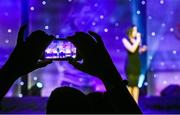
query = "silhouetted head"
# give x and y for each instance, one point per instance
(67, 100)
(99, 104)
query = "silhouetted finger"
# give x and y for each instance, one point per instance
(74, 40)
(77, 65)
(97, 37)
(86, 40)
(38, 41)
(43, 63)
(21, 33)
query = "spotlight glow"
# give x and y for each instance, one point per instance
(117, 50)
(32, 8)
(39, 84)
(143, 2)
(46, 27)
(171, 29)
(153, 33)
(174, 51)
(161, 1)
(20, 95)
(34, 78)
(44, 2)
(9, 30)
(57, 36)
(106, 30)
(149, 17)
(7, 41)
(116, 24)
(101, 17)
(164, 82)
(21, 83)
(163, 24)
(138, 12)
(93, 23)
(96, 5)
(117, 37)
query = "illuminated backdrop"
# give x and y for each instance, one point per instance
(62, 18)
(163, 33)
(111, 19)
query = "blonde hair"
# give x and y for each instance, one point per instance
(129, 32)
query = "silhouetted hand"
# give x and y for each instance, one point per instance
(96, 59)
(97, 62)
(25, 57)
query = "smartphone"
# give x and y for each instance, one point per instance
(60, 49)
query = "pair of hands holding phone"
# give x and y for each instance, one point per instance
(26, 55)
(96, 61)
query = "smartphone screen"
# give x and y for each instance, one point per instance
(60, 49)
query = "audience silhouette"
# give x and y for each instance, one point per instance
(96, 61)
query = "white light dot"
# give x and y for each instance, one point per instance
(117, 50)
(101, 17)
(80, 79)
(162, 38)
(96, 5)
(57, 36)
(150, 57)
(138, 12)
(106, 30)
(93, 23)
(173, 66)
(46, 27)
(6, 41)
(116, 24)
(174, 51)
(44, 2)
(153, 33)
(117, 37)
(143, 2)
(39, 84)
(155, 75)
(32, 8)
(20, 95)
(21, 83)
(149, 17)
(162, 63)
(164, 82)
(146, 83)
(97, 88)
(9, 30)
(171, 29)
(163, 24)
(34, 78)
(69, 0)
(176, 77)
(161, 1)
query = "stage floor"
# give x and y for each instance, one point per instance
(32, 105)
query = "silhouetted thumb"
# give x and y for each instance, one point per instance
(21, 33)
(43, 63)
(76, 64)
(96, 36)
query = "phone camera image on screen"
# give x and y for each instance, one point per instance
(60, 49)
